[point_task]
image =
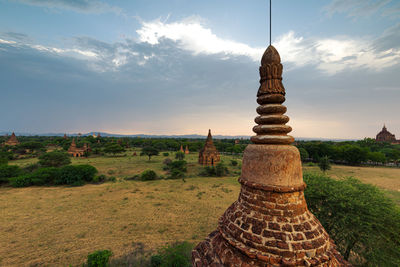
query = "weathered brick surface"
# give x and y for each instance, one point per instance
(242, 237)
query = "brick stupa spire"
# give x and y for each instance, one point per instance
(209, 154)
(12, 141)
(270, 224)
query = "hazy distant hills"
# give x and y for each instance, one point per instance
(189, 136)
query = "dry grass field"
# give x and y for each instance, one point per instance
(58, 226)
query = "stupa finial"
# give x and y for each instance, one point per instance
(271, 128)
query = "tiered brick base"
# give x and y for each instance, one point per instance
(268, 227)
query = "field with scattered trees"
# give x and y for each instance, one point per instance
(133, 199)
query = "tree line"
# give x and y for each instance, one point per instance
(366, 151)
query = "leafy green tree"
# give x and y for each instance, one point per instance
(324, 163)
(33, 145)
(354, 154)
(6, 156)
(3, 160)
(303, 154)
(149, 151)
(361, 220)
(221, 169)
(378, 157)
(391, 153)
(180, 155)
(113, 148)
(54, 159)
(237, 149)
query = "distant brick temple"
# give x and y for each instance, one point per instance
(269, 224)
(12, 141)
(386, 136)
(78, 152)
(209, 154)
(181, 149)
(186, 149)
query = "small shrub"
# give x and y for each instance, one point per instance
(156, 260)
(234, 162)
(167, 161)
(3, 160)
(211, 171)
(176, 174)
(324, 163)
(221, 169)
(176, 169)
(148, 175)
(133, 178)
(165, 154)
(44, 176)
(99, 178)
(31, 167)
(99, 258)
(207, 171)
(112, 179)
(54, 159)
(192, 187)
(21, 181)
(8, 171)
(76, 174)
(180, 155)
(178, 254)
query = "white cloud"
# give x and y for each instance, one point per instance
(330, 55)
(70, 52)
(2, 41)
(193, 36)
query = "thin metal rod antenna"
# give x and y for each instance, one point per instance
(270, 22)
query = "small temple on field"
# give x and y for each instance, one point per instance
(181, 149)
(209, 154)
(187, 150)
(78, 152)
(12, 141)
(385, 136)
(269, 224)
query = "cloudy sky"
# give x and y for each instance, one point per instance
(184, 66)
